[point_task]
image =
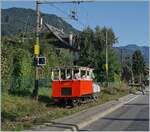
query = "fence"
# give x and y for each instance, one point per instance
(25, 84)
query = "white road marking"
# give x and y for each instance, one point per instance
(132, 99)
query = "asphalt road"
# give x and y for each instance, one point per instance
(133, 116)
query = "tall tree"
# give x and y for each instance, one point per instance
(92, 45)
(127, 69)
(138, 65)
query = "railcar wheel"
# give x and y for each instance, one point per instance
(95, 98)
(74, 103)
(78, 102)
(69, 102)
(62, 103)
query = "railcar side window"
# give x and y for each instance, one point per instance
(56, 75)
(83, 74)
(77, 74)
(63, 74)
(68, 74)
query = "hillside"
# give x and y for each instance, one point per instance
(16, 20)
(129, 50)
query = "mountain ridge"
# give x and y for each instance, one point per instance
(15, 20)
(129, 49)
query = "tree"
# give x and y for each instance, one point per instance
(87, 47)
(92, 45)
(127, 69)
(22, 71)
(113, 67)
(6, 66)
(138, 65)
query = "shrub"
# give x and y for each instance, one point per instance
(23, 71)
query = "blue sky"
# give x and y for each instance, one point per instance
(129, 20)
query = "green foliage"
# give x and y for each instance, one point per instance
(113, 67)
(54, 57)
(16, 110)
(138, 62)
(17, 63)
(138, 65)
(117, 77)
(92, 45)
(6, 66)
(51, 60)
(65, 57)
(23, 70)
(127, 69)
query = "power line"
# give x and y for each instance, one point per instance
(81, 23)
(58, 9)
(62, 11)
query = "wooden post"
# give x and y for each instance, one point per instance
(36, 84)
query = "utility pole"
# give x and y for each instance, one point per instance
(36, 52)
(121, 63)
(106, 66)
(132, 75)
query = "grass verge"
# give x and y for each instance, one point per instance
(19, 113)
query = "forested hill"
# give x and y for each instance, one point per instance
(130, 49)
(16, 20)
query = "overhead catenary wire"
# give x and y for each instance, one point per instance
(62, 11)
(66, 14)
(80, 22)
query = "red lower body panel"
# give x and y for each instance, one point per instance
(71, 88)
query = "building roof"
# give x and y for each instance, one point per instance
(59, 34)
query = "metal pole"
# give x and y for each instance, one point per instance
(106, 58)
(37, 23)
(132, 70)
(121, 64)
(35, 91)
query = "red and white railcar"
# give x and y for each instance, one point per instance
(73, 85)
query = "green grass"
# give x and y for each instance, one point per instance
(19, 113)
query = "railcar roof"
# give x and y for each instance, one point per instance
(70, 67)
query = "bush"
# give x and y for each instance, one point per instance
(7, 66)
(23, 71)
(116, 88)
